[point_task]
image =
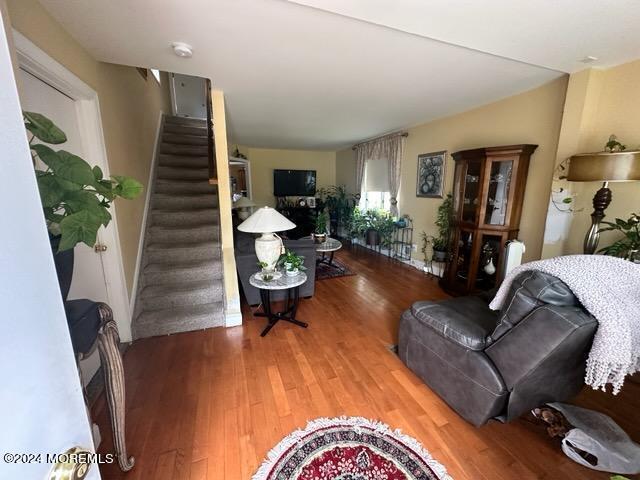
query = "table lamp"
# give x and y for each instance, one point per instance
(266, 221)
(243, 204)
(603, 167)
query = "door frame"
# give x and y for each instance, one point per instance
(35, 61)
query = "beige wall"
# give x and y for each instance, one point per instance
(129, 106)
(345, 169)
(530, 117)
(599, 103)
(264, 160)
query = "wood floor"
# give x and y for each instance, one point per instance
(210, 404)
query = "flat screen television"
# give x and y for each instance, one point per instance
(294, 183)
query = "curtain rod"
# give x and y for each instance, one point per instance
(403, 134)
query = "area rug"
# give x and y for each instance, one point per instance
(337, 269)
(349, 448)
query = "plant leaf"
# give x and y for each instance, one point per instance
(97, 173)
(43, 128)
(50, 194)
(81, 227)
(85, 200)
(127, 187)
(66, 165)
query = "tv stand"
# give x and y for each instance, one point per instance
(303, 217)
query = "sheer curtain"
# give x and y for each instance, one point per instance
(378, 166)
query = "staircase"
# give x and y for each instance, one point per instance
(180, 286)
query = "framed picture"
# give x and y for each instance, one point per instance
(430, 182)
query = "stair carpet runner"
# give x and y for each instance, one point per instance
(180, 285)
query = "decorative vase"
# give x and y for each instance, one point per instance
(64, 262)
(490, 268)
(319, 237)
(373, 237)
(292, 273)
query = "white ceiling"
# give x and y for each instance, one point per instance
(299, 77)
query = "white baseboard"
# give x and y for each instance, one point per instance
(147, 201)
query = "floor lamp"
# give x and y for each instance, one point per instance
(602, 167)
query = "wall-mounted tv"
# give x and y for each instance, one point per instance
(294, 183)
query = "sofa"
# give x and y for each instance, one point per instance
(247, 265)
(500, 364)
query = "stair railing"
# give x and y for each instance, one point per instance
(211, 150)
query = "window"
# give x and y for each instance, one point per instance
(156, 74)
(375, 201)
(375, 194)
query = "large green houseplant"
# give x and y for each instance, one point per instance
(628, 246)
(339, 204)
(75, 197)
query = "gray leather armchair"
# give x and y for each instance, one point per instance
(247, 265)
(499, 364)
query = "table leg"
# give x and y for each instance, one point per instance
(265, 297)
(294, 310)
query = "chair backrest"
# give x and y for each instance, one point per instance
(530, 290)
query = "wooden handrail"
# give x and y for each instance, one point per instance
(211, 151)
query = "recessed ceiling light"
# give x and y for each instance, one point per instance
(589, 59)
(182, 49)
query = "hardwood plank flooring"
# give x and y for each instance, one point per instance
(211, 404)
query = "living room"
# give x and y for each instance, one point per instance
(374, 243)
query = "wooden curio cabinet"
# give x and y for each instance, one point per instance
(488, 192)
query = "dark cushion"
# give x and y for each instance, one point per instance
(83, 319)
(466, 321)
(530, 290)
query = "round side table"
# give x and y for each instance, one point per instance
(291, 285)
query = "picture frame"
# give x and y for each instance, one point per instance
(430, 174)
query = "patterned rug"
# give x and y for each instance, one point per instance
(349, 448)
(337, 269)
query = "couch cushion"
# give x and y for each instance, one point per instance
(466, 321)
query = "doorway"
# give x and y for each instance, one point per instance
(188, 96)
(48, 88)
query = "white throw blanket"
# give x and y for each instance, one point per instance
(609, 289)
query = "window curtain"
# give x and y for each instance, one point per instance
(382, 159)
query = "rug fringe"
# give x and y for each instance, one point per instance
(356, 422)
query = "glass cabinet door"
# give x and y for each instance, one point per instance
(499, 184)
(464, 250)
(471, 192)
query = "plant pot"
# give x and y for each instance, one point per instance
(372, 237)
(319, 237)
(292, 273)
(64, 265)
(439, 256)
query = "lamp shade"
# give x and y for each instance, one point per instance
(243, 202)
(264, 220)
(605, 167)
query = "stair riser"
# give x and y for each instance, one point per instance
(174, 219)
(199, 297)
(151, 328)
(178, 139)
(183, 162)
(171, 120)
(201, 234)
(185, 202)
(185, 130)
(195, 274)
(184, 173)
(177, 187)
(168, 148)
(177, 255)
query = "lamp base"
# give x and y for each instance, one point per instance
(268, 249)
(601, 201)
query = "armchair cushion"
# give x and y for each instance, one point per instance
(466, 321)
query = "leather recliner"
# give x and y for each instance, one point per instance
(499, 364)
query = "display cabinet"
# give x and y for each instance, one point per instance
(488, 192)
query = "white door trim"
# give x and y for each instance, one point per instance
(172, 93)
(247, 166)
(37, 62)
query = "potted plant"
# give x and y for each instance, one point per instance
(339, 204)
(75, 197)
(292, 262)
(440, 243)
(627, 247)
(320, 233)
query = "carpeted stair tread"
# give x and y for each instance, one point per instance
(180, 286)
(179, 319)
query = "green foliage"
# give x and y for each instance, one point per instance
(292, 261)
(618, 477)
(338, 202)
(378, 220)
(629, 245)
(321, 222)
(75, 197)
(443, 222)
